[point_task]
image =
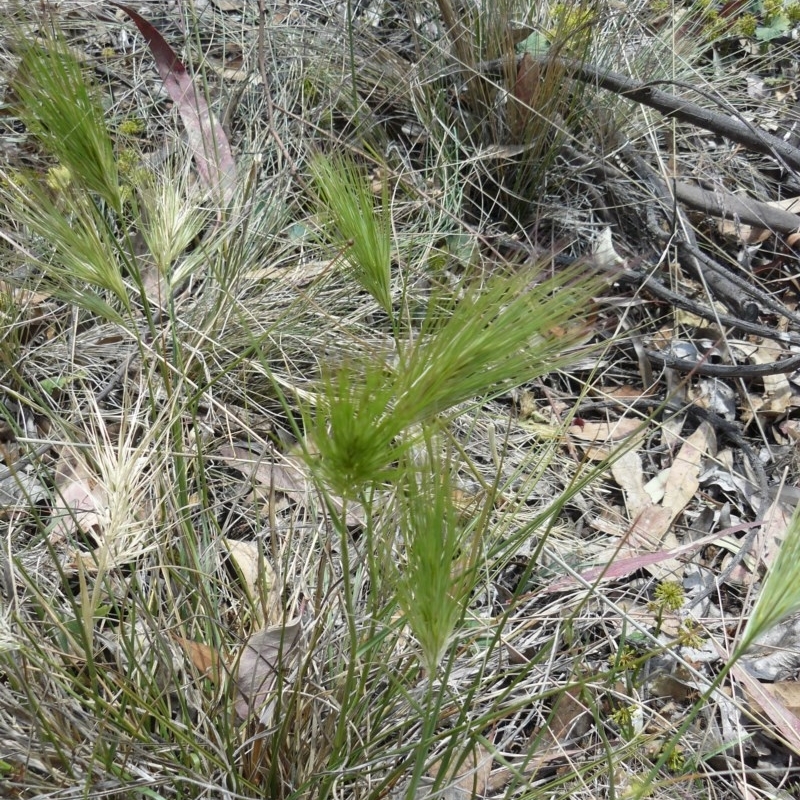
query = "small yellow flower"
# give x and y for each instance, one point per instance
(127, 161)
(676, 760)
(59, 178)
(746, 25)
(131, 127)
(772, 9)
(670, 595)
(622, 717)
(689, 634)
(626, 659)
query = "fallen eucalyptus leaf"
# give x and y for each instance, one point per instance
(266, 658)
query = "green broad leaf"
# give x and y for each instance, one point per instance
(299, 232)
(779, 26)
(51, 385)
(536, 44)
(464, 247)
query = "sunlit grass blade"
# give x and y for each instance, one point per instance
(358, 223)
(83, 258)
(170, 221)
(58, 107)
(435, 579)
(493, 339)
(780, 594)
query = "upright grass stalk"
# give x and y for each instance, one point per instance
(373, 431)
(779, 598)
(359, 225)
(437, 572)
(58, 107)
(435, 576)
(353, 429)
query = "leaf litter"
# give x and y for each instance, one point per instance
(654, 495)
(263, 670)
(285, 474)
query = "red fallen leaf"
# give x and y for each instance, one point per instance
(625, 565)
(526, 87)
(209, 144)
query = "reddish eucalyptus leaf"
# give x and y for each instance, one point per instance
(525, 88)
(625, 565)
(209, 144)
